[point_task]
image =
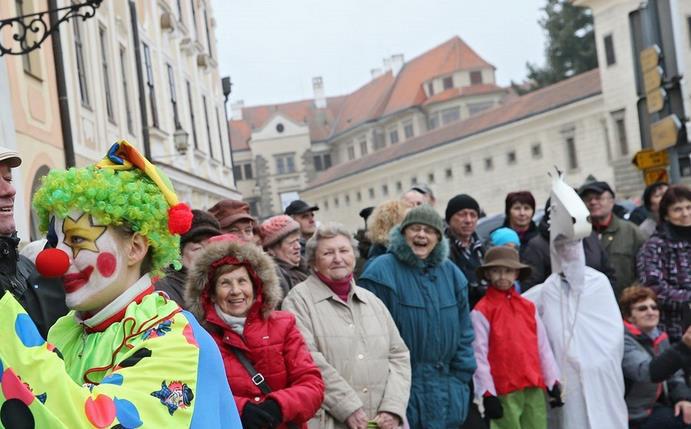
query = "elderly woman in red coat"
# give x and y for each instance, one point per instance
(233, 290)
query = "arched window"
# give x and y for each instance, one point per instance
(35, 184)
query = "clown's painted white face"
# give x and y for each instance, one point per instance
(97, 261)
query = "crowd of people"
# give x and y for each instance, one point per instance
(143, 312)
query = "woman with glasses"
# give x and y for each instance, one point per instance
(655, 396)
(426, 294)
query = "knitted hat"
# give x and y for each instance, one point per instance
(275, 228)
(204, 225)
(460, 202)
(502, 256)
(230, 211)
(424, 215)
(523, 197)
(504, 235)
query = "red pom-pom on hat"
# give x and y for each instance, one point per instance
(179, 218)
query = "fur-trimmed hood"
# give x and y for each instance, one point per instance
(198, 292)
(400, 248)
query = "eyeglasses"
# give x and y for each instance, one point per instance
(646, 307)
(415, 228)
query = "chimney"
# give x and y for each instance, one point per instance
(236, 110)
(396, 63)
(318, 88)
(376, 73)
(387, 64)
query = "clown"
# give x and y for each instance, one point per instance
(125, 356)
(580, 314)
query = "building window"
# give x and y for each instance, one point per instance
(194, 18)
(248, 171)
(193, 123)
(173, 96)
(430, 178)
(379, 139)
(489, 164)
(335, 202)
(433, 121)
(347, 199)
(399, 186)
(474, 108)
(430, 89)
(468, 168)
(327, 160)
(413, 181)
(179, 2)
(393, 136)
(237, 172)
(448, 173)
(125, 90)
(450, 115)
(385, 190)
(408, 130)
(620, 127)
(572, 159)
(326, 204)
(511, 157)
(31, 60)
(208, 34)
(150, 85)
(351, 152)
(448, 82)
(371, 193)
(220, 138)
(476, 77)
(208, 127)
(322, 161)
(536, 151)
(609, 50)
(358, 196)
(81, 65)
(363, 146)
(285, 164)
(688, 22)
(106, 73)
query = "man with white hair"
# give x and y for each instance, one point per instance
(580, 314)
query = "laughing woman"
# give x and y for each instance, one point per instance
(427, 297)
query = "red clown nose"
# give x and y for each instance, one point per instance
(52, 262)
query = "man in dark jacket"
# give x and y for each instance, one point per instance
(466, 251)
(204, 226)
(536, 254)
(43, 299)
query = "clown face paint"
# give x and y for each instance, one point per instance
(97, 262)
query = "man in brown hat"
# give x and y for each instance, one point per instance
(235, 218)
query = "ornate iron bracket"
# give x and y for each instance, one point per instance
(29, 31)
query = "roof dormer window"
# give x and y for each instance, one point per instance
(476, 77)
(447, 82)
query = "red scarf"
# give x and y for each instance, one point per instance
(339, 287)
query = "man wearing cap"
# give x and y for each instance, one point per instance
(204, 226)
(620, 238)
(281, 239)
(235, 218)
(43, 299)
(462, 213)
(303, 213)
(418, 195)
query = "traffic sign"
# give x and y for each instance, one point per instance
(652, 79)
(665, 132)
(650, 57)
(654, 175)
(648, 158)
(655, 100)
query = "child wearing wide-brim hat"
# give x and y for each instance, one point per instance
(515, 364)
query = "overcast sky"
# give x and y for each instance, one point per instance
(273, 48)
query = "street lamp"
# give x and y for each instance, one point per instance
(180, 138)
(227, 86)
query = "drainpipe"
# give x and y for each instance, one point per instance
(63, 102)
(140, 80)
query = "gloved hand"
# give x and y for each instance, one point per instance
(254, 417)
(272, 408)
(555, 396)
(493, 408)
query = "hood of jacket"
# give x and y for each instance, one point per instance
(199, 290)
(400, 248)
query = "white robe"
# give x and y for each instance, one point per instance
(590, 363)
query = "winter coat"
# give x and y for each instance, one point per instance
(468, 262)
(642, 392)
(154, 368)
(363, 359)
(621, 240)
(428, 301)
(536, 254)
(290, 275)
(173, 284)
(270, 339)
(42, 298)
(664, 265)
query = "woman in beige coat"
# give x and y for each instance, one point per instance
(353, 339)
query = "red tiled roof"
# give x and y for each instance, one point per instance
(450, 56)
(483, 88)
(365, 103)
(240, 133)
(579, 87)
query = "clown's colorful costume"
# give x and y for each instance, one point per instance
(139, 361)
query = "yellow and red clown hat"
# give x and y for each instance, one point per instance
(124, 188)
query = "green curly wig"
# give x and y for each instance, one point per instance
(114, 198)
